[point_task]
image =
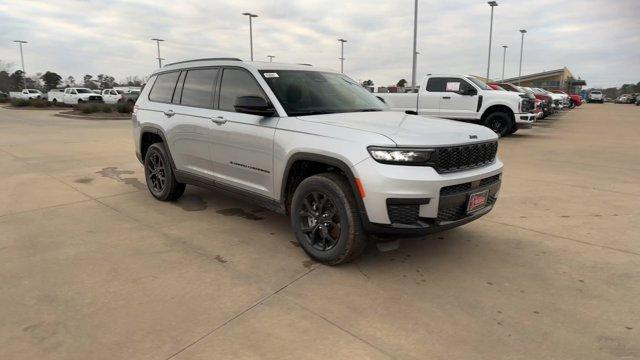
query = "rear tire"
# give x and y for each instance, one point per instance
(326, 220)
(500, 122)
(159, 174)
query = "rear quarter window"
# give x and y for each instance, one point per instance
(163, 87)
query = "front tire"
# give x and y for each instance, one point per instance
(500, 122)
(326, 221)
(159, 174)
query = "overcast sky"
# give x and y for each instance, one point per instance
(597, 40)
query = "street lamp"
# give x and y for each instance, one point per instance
(415, 39)
(159, 58)
(251, 16)
(24, 79)
(270, 58)
(523, 31)
(504, 56)
(492, 4)
(342, 41)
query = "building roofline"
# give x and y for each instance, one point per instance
(536, 75)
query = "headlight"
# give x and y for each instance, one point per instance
(399, 156)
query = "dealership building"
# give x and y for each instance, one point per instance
(561, 79)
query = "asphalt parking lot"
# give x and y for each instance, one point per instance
(92, 267)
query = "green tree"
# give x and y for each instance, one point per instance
(106, 81)
(71, 81)
(5, 81)
(401, 83)
(51, 80)
(367, 83)
(88, 83)
(17, 80)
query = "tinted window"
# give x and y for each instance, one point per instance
(436, 84)
(303, 92)
(198, 88)
(163, 87)
(237, 83)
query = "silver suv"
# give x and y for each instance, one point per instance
(315, 145)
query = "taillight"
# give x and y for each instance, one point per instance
(135, 109)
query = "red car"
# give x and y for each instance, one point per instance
(576, 100)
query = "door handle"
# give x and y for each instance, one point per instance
(219, 120)
(169, 113)
(446, 97)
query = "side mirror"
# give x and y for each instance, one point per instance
(254, 105)
(469, 92)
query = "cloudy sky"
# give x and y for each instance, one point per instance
(597, 40)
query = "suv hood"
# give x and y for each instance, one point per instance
(408, 130)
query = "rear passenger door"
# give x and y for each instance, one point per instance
(429, 98)
(242, 143)
(189, 124)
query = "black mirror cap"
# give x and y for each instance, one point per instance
(470, 92)
(254, 105)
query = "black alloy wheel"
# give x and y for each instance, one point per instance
(499, 122)
(320, 221)
(156, 174)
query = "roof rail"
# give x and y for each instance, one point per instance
(305, 64)
(205, 59)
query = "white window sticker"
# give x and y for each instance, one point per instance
(270, 75)
(453, 86)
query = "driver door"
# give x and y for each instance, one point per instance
(457, 102)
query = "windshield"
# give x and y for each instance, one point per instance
(33, 91)
(596, 92)
(314, 92)
(84, 91)
(120, 92)
(478, 83)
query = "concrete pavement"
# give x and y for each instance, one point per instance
(91, 266)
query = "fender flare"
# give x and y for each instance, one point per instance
(332, 161)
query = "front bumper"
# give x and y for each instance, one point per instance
(525, 120)
(412, 200)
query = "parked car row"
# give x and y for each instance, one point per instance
(78, 95)
(503, 107)
(627, 99)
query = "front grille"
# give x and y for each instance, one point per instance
(403, 214)
(458, 158)
(459, 212)
(460, 188)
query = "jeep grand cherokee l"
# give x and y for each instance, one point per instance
(315, 145)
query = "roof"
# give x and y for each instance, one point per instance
(257, 65)
(538, 75)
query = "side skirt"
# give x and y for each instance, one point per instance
(248, 196)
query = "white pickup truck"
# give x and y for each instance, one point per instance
(466, 98)
(26, 94)
(72, 96)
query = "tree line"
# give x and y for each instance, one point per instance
(14, 81)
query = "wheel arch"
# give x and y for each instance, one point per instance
(148, 135)
(499, 107)
(290, 182)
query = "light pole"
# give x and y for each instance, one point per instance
(523, 31)
(504, 56)
(270, 58)
(342, 41)
(251, 16)
(158, 44)
(415, 39)
(492, 4)
(24, 73)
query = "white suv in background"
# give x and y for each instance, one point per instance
(595, 96)
(315, 145)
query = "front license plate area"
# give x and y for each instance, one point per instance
(477, 201)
